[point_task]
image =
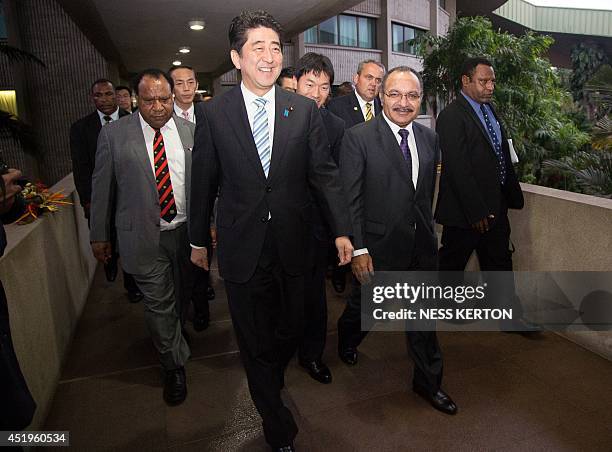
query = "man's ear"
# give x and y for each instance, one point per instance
(465, 80)
(235, 56)
(355, 79)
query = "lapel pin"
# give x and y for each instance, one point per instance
(355, 108)
(287, 111)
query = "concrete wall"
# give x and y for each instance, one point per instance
(563, 231)
(46, 271)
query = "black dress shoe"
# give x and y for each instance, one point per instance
(200, 322)
(110, 269)
(441, 401)
(318, 371)
(288, 448)
(135, 296)
(175, 386)
(338, 280)
(210, 293)
(348, 355)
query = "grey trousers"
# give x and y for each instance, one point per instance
(165, 289)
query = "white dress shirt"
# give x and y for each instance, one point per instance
(413, 153)
(175, 153)
(190, 112)
(362, 105)
(251, 108)
(114, 116)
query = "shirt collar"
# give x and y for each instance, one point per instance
(179, 111)
(144, 124)
(114, 115)
(249, 96)
(475, 105)
(395, 128)
(362, 101)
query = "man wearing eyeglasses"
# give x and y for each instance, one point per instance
(388, 169)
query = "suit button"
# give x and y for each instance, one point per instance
(264, 219)
(268, 189)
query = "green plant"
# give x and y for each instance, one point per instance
(592, 171)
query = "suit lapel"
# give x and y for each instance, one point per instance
(377, 106)
(355, 109)
(423, 150)
(236, 114)
(282, 126)
(472, 114)
(136, 144)
(392, 150)
(186, 137)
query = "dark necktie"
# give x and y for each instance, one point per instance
(404, 147)
(107, 119)
(496, 145)
(162, 177)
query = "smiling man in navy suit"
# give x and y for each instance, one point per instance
(264, 150)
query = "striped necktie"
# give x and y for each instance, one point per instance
(162, 177)
(261, 134)
(369, 114)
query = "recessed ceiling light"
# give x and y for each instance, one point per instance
(177, 63)
(184, 49)
(197, 24)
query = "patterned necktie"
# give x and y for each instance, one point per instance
(261, 134)
(186, 115)
(369, 114)
(404, 147)
(162, 177)
(496, 145)
(107, 119)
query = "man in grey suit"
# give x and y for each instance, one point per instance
(388, 167)
(144, 162)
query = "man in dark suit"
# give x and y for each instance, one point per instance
(141, 179)
(18, 405)
(360, 105)
(264, 149)
(478, 183)
(315, 76)
(388, 168)
(83, 143)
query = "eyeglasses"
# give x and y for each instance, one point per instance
(395, 95)
(485, 83)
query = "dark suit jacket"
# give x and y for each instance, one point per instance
(347, 108)
(225, 156)
(334, 126)
(385, 208)
(469, 182)
(83, 143)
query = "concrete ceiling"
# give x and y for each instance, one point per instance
(138, 34)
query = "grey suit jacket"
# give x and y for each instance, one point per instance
(123, 171)
(390, 218)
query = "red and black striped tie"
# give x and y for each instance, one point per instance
(162, 176)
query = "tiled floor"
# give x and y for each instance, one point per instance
(513, 393)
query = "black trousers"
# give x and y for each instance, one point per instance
(17, 406)
(315, 307)
(423, 346)
(267, 313)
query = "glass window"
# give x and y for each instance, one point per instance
(3, 34)
(442, 4)
(398, 38)
(310, 35)
(348, 30)
(367, 38)
(404, 38)
(328, 31)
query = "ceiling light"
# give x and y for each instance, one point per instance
(177, 63)
(184, 49)
(197, 24)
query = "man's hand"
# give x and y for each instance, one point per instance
(199, 257)
(102, 251)
(483, 226)
(362, 268)
(345, 249)
(11, 189)
(213, 237)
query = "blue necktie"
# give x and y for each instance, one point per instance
(496, 145)
(261, 134)
(405, 149)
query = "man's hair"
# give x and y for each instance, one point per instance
(344, 88)
(182, 66)
(247, 20)
(469, 65)
(287, 72)
(120, 87)
(316, 63)
(153, 73)
(402, 69)
(364, 62)
(101, 80)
